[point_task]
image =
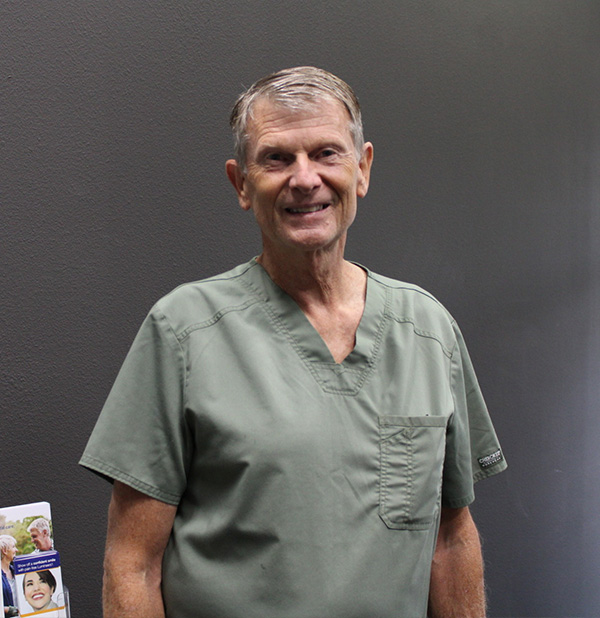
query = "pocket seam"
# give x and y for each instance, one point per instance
(407, 423)
(384, 475)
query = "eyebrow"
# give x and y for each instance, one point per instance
(321, 145)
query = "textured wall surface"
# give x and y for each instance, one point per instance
(485, 190)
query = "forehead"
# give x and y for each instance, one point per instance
(273, 120)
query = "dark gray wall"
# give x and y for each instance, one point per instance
(486, 125)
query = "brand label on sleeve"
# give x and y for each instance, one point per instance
(490, 460)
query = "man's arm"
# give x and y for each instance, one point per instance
(457, 588)
(138, 530)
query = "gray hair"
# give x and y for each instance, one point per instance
(41, 524)
(297, 88)
(6, 542)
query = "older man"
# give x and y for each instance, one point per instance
(39, 530)
(297, 437)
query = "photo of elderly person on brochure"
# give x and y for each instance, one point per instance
(8, 550)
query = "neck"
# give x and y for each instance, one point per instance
(313, 276)
(329, 290)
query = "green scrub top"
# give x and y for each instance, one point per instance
(305, 488)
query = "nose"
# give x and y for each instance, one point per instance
(304, 175)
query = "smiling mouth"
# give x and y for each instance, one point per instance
(307, 209)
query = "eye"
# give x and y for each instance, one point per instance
(328, 155)
(274, 159)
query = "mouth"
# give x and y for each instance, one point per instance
(309, 208)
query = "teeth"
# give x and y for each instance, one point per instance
(308, 208)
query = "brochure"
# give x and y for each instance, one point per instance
(40, 589)
(30, 525)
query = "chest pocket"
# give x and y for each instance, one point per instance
(411, 452)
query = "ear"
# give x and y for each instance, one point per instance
(238, 180)
(364, 170)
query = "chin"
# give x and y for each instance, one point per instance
(314, 242)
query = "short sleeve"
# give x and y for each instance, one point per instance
(141, 437)
(472, 448)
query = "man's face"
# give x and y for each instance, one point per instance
(41, 539)
(303, 177)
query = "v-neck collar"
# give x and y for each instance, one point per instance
(346, 377)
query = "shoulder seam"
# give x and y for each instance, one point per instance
(401, 285)
(227, 276)
(422, 333)
(215, 318)
(402, 319)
